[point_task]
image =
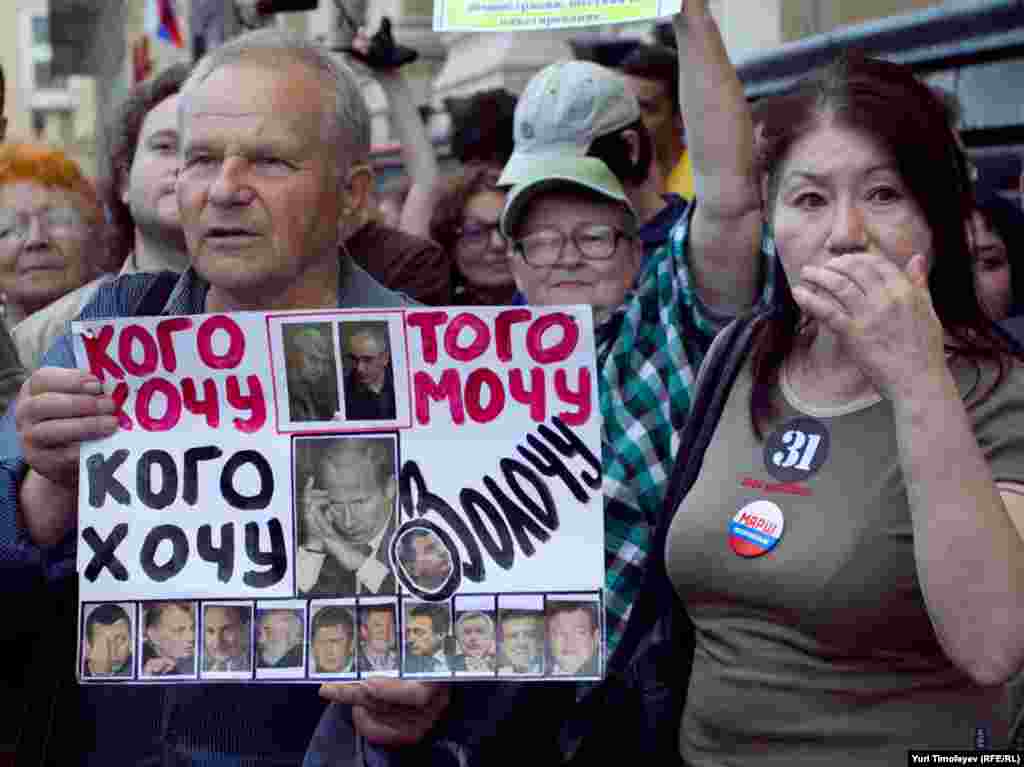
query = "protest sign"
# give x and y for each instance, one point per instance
(339, 494)
(522, 15)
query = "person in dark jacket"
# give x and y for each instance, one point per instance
(261, 196)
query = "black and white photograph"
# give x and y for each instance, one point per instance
(346, 515)
(311, 372)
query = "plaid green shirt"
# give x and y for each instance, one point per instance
(648, 354)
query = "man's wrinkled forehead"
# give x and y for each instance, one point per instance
(357, 477)
(475, 624)
(220, 617)
(550, 206)
(379, 617)
(222, 101)
(520, 624)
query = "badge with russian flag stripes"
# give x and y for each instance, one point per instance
(756, 529)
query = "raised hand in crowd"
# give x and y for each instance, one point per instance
(384, 59)
(726, 236)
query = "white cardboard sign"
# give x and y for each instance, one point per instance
(437, 462)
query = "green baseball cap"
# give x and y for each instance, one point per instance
(584, 172)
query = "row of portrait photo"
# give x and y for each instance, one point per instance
(483, 636)
(349, 371)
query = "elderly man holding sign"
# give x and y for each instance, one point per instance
(274, 141)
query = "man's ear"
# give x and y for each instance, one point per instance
(390, 489)
(356, 194)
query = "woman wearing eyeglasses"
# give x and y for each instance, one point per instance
(50, 229)
(465, 224)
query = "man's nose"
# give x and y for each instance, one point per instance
(38, 234)
(344, 514)
(229, 187)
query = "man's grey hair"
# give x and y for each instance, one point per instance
(295, 628)
(311, 342)
(473, 616)
(376, 330)
(346, 121)
(377, 454)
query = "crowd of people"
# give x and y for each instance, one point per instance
(875, 426)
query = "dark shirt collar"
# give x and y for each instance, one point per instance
(654, 233)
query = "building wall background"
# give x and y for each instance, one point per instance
(450, 64)
(58, 111)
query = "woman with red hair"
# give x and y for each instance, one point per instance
(51, 228)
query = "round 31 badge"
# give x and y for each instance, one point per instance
(756, 529)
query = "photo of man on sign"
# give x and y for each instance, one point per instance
(346, 510)
(169, 647)
(425, 558)
(369, 377)
(107, 645)
(311, 375)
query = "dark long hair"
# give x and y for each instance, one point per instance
(883, 101)
(1007, 220)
